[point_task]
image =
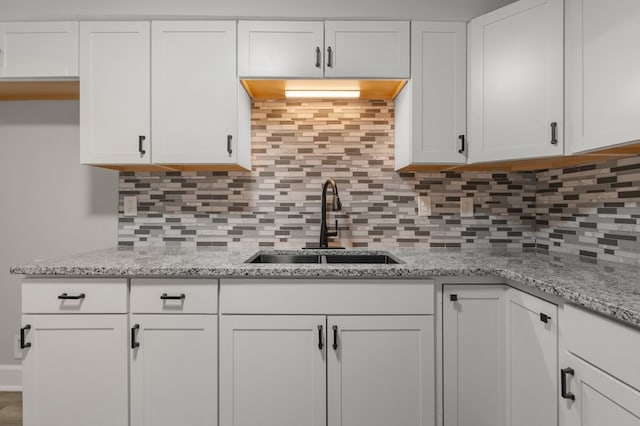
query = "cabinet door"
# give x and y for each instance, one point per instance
(39, 49)
(366, 49)
(603, 73)
(280, 49)
(115, 98)
(431, 109)
(174, 370)
(381, 371)
(532, 360)
(195, 92)
(600, 399)
(75, 372)
(272, 371)
(474, 348)
(516, 82)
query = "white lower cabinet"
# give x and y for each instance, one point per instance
(284, 370)
(474, 351)
(599, 368)
(532, 360)
(272, 370)
(174, 370)
(380, 371)
(594, 398)
(75, 370)
(499, 357)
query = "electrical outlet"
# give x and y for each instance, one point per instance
(131, 206)
(424, 206)
(17, 352)
(466, 207)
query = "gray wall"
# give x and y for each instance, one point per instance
(458, 10)
(50, 204)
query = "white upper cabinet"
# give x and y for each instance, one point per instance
(516, 82)
(282, 49)
(366, 49)
(603, 73)
(185, 72)
(316, 49)
(39, 49)
(431, 109)
(115, 93)
(194, 92)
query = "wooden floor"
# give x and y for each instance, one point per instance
(11, 408)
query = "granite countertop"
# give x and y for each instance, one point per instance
(608, 288)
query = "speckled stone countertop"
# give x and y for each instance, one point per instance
(608, 288)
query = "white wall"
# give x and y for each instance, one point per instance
(452, 10)
(50, 205)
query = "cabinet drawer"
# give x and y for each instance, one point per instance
(70, 296)
(611, 346)
(326, 296)
(174, 296)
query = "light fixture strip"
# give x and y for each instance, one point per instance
(322, 93)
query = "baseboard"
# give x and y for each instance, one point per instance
(10, 378)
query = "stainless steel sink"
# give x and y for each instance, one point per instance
(344, 258)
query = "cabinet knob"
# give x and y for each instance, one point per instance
(453, 297)
(544, 318)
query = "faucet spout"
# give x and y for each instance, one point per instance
(336, 206)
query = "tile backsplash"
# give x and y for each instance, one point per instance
(591, 210)
(296, 145)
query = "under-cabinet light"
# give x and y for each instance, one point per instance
(322, 93)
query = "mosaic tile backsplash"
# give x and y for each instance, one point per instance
(297, 145)
(591, 210)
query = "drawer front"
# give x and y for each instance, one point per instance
(74, 296)
(174, 296)
(611, 346)
(326, 296)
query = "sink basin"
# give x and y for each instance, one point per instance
(286, 258)
(361, 258)
(345, 258)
